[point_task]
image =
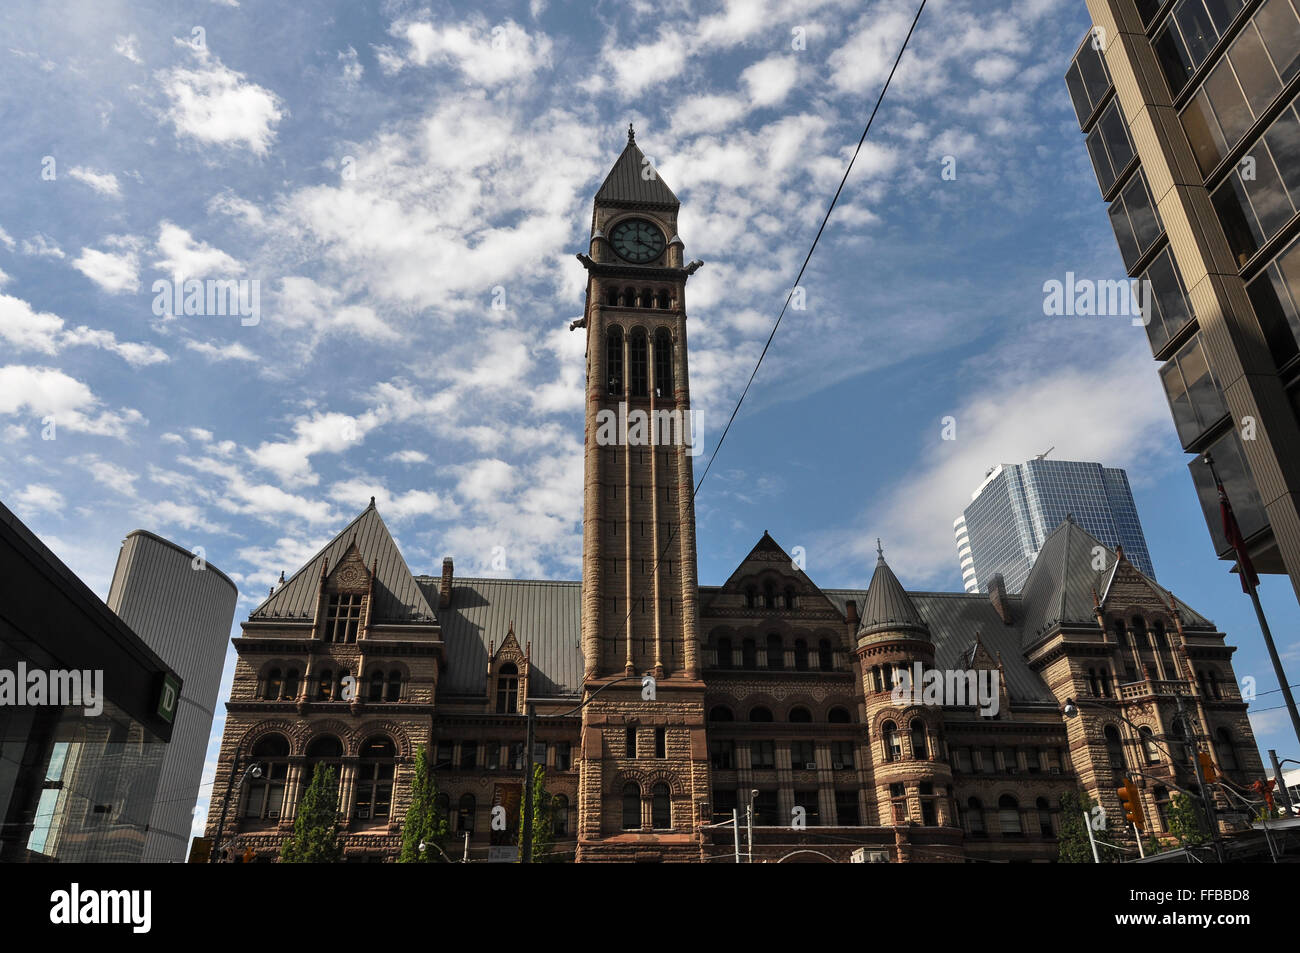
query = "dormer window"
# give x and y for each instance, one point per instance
(507, 689)
(343, 617)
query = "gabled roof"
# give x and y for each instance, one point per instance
(547, 620)
(887, 606)
(1063, 585)
(397, 597)
(627, 185)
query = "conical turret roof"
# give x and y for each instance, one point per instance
(633, 182)
(888, 608)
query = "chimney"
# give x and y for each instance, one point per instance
(444, 589)
(851, 612)
(998, 596)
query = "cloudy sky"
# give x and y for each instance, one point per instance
(388, 171)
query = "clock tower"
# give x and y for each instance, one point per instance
(644, 760)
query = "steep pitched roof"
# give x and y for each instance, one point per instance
(547, 619)
(627, 185)
(1062, 582)
(397, 597)
(887, 606)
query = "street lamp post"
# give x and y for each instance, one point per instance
(253, 769)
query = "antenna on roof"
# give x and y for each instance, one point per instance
(1043, 455)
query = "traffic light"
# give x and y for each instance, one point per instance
(1128, 796)
(1207, 767)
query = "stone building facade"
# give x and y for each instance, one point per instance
(665, 706)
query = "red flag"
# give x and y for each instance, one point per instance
(1249, 578)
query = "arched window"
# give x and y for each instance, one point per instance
(611, 297)
(1045, 827)
(324, 752)
(375, 779)
(663, 364)
(631, 807)
(614, 359)
(721, 713)
(1115, 750)
(893, 745)
(646, 298)
(1178, 742)
(749, 654)
(1150, 749)
(789, 598)
(662, 301)
(975, 817)
(751, 597)
(442, 804)
(800, 715)
(274, 684)
(507, 689)
(825, 655)
(1225, 749)
(920, 749)
(775, 652)
(839, 716)
(394, 693)
(724, 653)
(629, 298)
(759, 713)
(376, 686)
(800, 655)
(560, 816)
(290, 684)
(264, 797)
(1009, 815)
(637, 370)
(1093, 685)
(1214, 684)
(769, 595)
(325, 685)
(661, 807)
(465, 813)
(877, 678)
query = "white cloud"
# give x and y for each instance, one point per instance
(409, 456)
(42, 247)
(45, 392)
(105, 183)
(27, 329)
(396, 506)
(114, 272)
(227, 203)
(135, 354)
(769, 81)
(234, 351)
(128, 46)
(39, 498)
(214, 104)
(486, 55)
(185, 257)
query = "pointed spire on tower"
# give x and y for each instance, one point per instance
(888, 609)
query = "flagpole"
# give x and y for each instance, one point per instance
(1250, 583)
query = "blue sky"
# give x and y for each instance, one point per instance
(382, 168)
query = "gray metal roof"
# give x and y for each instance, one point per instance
(397, 597)
(886, 605)
(1061, 583)
(627, 185)
(547, 614)
(955, 620)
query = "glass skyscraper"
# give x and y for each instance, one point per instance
(1019, 505)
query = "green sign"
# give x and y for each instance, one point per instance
(169, 696)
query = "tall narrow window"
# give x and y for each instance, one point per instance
(775, 652)
(614, 359)
(749, 654)
(663, 364)
(800, 655)
(376, 687)
(290, 684)
(1045, 827)
(893, 746)
(661, 807)
(274, 684)
(325, 685)
(465, 813)
(375, 780)
(560, 816)
(975, 817)
(1009, 816)
(638, 385)
(825, 655)
(661, 742)
(920, 750)
(629, 742)
(394, 691)
(724, 653)
(1225, 749)
(507, 689)
(631, 807)
(1149, 747)
(1115, 750)
(342, 617)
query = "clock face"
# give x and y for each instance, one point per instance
(637, 240)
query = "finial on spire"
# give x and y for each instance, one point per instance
(372, 502)
(880, 551)
(631, 134)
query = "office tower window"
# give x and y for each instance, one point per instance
(1087, 80)
(1275, 294)
(1170, 310)
(1110, 147)
(1135, 220)
(1194, 395)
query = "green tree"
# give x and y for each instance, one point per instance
(424, 823)
(543, 815)
(315, 837)
(1187, 822)
(1073, 837)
